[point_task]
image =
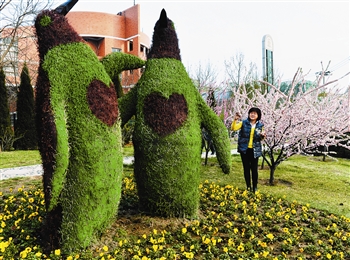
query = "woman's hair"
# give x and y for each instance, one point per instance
(257, 110)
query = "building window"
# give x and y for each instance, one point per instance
(13, 117)
(143, 48)
(116, 50)
(11, 58)
(131, 45)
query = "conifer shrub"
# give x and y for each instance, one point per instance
(25, 129)
(6, 132)
(169, 113)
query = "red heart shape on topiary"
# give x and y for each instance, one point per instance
(164, 115)
(103, 102)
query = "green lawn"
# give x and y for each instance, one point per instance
(306, 179)
(306, 215)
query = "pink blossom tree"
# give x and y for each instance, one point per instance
(298, 119)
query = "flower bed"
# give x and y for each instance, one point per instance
(232, 224)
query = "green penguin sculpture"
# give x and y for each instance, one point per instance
(169, 113)
(79, 134)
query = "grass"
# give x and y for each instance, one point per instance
(19, 158)
(307, 179)
(305, 215)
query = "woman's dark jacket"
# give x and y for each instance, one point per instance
(244, 135)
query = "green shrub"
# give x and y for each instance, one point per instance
(25, 129)
(5, 122)
(80, 136)
(169, 114)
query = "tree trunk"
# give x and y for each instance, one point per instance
(272, 174)
(325, 151)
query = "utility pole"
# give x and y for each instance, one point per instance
(324, 72)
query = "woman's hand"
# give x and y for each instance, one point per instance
(237, 116)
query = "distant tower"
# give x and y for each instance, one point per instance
(267, 55)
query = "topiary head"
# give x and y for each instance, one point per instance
(165, 42)
(52, 28)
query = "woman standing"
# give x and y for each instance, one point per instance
(249, 144)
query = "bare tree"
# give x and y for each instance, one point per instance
(17, 42)
(239, 73)
(204, 77)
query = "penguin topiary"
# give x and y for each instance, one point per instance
(169, 113)
(79, 134)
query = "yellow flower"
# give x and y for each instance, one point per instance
(231, 242)
(57, 252)
(105, 248)
(318, 254)
(189, 255)
(3, 246)
(265, 253)
(270, 236)
(206, 240)
(69, 258)
(23, 254)
(155, 248)
(184, 230)
(225, 249)
(285, 230)
(329, 256)
(240, 247)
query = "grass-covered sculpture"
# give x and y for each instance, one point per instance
(169, 113)
(79, 134)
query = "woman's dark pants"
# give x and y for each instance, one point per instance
(250, 165)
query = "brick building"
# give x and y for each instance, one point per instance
(103, 32)
(106, 33)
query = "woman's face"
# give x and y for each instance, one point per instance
(253, 116)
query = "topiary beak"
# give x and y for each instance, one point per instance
(66, 7)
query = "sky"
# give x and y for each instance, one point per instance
(304, 33)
